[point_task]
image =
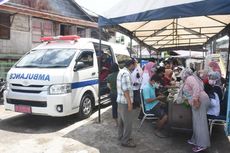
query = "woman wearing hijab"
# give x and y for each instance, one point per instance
(148, 73)
(214, 80)
(167, 77)
(193, 91)
(213, 67)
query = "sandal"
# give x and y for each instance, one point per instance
(129, 144)
(198, 149)
(189, 141)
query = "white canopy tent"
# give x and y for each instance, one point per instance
(171, 24)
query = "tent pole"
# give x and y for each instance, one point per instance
(140, 56)
(227, 129)
(157, 58)
(99, 84)
(203, 60)
(227, 75)
(190, 54)
(214, 47)
(140, 52)
(131, 46)
(149, 53)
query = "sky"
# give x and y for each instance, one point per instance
(100, 6)
(97, 6)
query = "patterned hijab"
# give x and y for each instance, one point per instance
(188, 72)
(214, 75)
(148, 68)
(215, 67)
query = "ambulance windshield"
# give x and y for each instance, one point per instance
(47, 58)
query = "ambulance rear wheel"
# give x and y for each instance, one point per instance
(86, 106)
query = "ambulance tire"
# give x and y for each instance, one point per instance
(86, 106)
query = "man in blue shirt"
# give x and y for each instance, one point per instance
(152, 102)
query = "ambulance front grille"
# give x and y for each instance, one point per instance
(20, 85)
(26, 91)
(36, 89)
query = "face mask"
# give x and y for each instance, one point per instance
(156, 85)
(212, 82)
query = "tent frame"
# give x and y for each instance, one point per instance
(192, 31)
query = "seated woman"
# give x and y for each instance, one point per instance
(214, 108)
(149, 71)
(213, 78)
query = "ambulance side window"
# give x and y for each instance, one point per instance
(85, 60)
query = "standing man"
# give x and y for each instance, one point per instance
(136, 77)
(112, 84)
(125, 104)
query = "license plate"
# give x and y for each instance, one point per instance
(23, 109)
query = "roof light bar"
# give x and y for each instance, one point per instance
(68, 37)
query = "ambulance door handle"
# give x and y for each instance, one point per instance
(93, 73)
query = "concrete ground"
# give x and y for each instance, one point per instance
(21, 133)
(104, 137)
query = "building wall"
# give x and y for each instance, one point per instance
(24, 31)
(88, 33)
(68, 7)
(20, 37)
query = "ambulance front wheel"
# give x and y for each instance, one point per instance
(86, 106)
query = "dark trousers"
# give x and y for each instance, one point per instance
(136, 98)
(113, 97)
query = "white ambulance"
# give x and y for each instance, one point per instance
(60, 77)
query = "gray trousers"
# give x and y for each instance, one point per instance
(124, 123)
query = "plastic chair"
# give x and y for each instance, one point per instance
(221, 119)
(147, 115)
(216, 120)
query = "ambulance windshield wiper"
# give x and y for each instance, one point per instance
(54, 66)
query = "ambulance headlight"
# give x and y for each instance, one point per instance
(60, 89)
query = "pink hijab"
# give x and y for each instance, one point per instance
(215, 67)
(148, 68)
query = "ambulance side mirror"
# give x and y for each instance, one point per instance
(78, 66)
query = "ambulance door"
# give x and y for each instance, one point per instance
(85, 74)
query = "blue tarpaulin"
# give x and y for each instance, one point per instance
(149, 10)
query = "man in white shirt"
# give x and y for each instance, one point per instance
(136, 77)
